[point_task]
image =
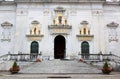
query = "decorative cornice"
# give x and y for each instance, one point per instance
(34, 37)
(60, 27)
(85, 37)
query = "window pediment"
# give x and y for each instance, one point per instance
(6, 24)
(35, 22)
(112, 24)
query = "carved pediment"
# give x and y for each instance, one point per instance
(59, 10)
(84, 23)
(35, 22)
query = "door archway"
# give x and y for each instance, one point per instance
(85, 50)
(59, 47)
(34, 49)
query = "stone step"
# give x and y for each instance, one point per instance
(60, 66)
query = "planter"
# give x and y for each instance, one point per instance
(81, 60)
(38, 60)
(14, 70)
(106, 70)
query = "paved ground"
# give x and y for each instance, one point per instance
(7, 75)
(58, 69)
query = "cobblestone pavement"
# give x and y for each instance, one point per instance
(7, 75)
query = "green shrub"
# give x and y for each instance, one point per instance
(15, 64)
(106, 65)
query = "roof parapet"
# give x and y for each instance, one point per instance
(69, 1)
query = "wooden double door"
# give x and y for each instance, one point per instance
(59, 47)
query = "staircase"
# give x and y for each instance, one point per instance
(60, 66)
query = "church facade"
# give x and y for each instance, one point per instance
(59, 29)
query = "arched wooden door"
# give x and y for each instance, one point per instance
(85, 50)
(59, 47)
(34, 49)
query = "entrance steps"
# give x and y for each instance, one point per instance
(60, 66)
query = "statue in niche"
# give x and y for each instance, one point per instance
(88, 32)
(39, 32)
(35, 30)
(60, 19)
(80, 31)
(65, 21)
(54, 21)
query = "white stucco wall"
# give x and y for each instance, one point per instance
(96, 14)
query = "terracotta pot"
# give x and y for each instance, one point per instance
(81, 60)
(14, 70)
(38, 60)
(106, 70)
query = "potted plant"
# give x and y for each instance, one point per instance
(81, 60)
(106, 68)
(15, 68)
(38, 60)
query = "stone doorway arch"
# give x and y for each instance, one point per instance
(59, 47)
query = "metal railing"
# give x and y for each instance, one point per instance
(90, 57)
(111, 57)
(24, 57)
(100, 57)
(4, 57)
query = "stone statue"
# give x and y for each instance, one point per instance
(30, 32)
(39, 32)
(35, 30)
(54, 21)
(88, 32)
(60, 19)
(65, 21)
